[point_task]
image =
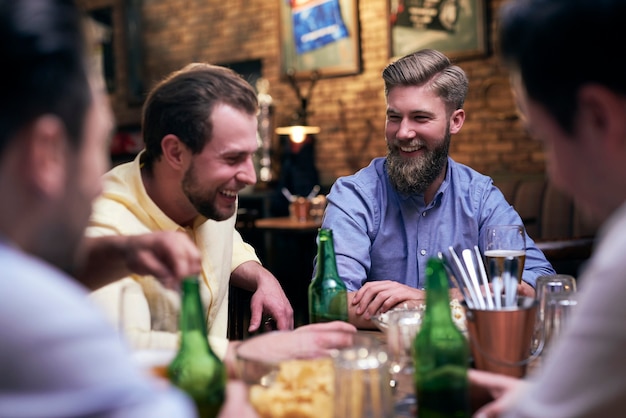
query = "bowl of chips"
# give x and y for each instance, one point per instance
(291, 374)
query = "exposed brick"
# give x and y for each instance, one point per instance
(350, 109)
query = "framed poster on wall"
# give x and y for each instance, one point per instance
(454, 27)
(319, 36)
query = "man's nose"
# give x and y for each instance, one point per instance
(247, 174)
(406, 130)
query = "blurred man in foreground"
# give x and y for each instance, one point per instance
(58, 355)
(571, 89)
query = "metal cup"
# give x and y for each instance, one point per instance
(500, 340)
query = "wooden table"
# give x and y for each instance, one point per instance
(287, 224)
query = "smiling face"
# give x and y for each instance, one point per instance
(417, 131)
(224, 167)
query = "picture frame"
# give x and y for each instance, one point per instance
(458, 28)
(319, 38)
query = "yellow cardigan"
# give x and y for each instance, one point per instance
(139, 305)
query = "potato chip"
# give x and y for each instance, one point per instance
(302, 389)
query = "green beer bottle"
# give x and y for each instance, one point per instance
(196, 369)
(328, 297)
(440, 354)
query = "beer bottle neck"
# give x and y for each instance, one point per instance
(326, 263)
(437, 295)
(192, 317)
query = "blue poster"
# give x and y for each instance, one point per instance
(316, 23)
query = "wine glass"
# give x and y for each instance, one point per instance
(505, 242)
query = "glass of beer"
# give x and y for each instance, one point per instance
(502, 242)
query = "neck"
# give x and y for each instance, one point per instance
(163, 186)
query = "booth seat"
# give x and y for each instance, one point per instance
(560, 229)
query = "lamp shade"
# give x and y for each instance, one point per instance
(297, 133)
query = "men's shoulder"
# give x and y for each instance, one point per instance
(121, 177)
(466, 178)
(368, 181)
(26, 279)
(466, 173)
(124, 206)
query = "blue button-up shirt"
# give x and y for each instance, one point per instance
(380, 234)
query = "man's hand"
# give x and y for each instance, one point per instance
(308, 341)
(524, 289)
(268, 297)
(504, 389)
(380, 296)
(167, 255)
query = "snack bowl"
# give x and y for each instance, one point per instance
(259, 358)
(381, 320)
(292, 373)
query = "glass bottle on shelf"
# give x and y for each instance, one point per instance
(440, 353)
(328, 296)
(196, 369)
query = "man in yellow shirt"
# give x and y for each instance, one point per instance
(200, 133)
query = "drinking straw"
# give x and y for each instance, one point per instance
(483, 275)
(448, 268)
(314, 191)
(466, 280)
(288, 194)
(509, 277)
(471, 269)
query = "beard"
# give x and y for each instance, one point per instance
(414, 175)
(203, 201)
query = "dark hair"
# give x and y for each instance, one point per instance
(182, 104)
(43, 48)
(431, 67)
(560, 45)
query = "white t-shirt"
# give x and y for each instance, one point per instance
(584, 375)
(59, 357)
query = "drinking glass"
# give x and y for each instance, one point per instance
(403, 325)
(558, 311)
(502, 242)
(547, 289)
(362, 379)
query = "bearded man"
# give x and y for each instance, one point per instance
(392, 216)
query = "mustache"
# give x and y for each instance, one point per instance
(415, 142)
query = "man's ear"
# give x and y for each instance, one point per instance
(601, 116)
(456, 120)
(45, 159)
(175, 153)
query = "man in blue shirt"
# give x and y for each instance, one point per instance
(392, 216)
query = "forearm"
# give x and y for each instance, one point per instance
(247, 275)
(102, 261)
(230, 359)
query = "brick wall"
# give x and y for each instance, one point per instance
(350, 109)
